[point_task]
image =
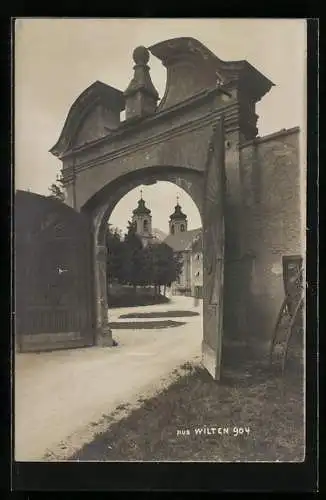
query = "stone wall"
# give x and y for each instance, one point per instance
(273, 219)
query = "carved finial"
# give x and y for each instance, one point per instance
(141, 95)
(177, 199)
(141, 194)
(141, 55)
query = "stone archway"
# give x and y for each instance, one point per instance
(100, 208)
(193, 137)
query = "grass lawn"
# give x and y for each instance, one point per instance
(249, 396)
(163, 314)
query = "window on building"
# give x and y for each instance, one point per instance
(197, 256)
(145, 225)
(182, 228)
(197, 273)
(172, 229)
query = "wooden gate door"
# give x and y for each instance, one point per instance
(53, 275)
(213, 241)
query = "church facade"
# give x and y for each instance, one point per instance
(142, 221)
(187, 244)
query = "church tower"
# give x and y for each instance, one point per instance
(142, 219)
(178, 220)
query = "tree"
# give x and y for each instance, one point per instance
(135, 260)
(165, 266)
(114, 246)
(132, 264)
(56, 189)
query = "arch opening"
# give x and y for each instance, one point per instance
(158, 202)
(159, 196)
(102, 204)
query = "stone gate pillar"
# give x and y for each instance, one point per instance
(234, 285)
(103, 333)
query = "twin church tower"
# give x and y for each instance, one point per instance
(142, 220)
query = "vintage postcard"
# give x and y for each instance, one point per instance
(160, 222)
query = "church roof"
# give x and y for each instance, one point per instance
(178, 214)
(182, 242)
(141, 209)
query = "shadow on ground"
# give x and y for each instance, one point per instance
(146, 325)
(163, 314)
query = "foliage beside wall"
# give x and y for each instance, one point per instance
(56, 189)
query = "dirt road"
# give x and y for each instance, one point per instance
(61, 396)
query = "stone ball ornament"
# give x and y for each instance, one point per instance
(140, 55)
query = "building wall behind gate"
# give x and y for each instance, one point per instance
(274, 220)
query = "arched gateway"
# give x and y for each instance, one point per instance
(192, 138)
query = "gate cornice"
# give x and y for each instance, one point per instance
(194, 75)
(188, 60)
(104, 151)
(200, 89)
(128, 130)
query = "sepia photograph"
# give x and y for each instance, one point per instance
(159, 240)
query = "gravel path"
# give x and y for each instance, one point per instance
(63, 398)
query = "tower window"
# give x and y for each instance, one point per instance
(172, 229)
(182, 228)
(135, 225)
(145, 225)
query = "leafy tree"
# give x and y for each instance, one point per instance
(134, 258)
(130, 263)
(165, 266)
(114, 246)
(176, 269)
(56, 189)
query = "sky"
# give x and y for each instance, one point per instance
(57, 59)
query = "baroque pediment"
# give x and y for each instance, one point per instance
(92, 116)
(192, 68)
